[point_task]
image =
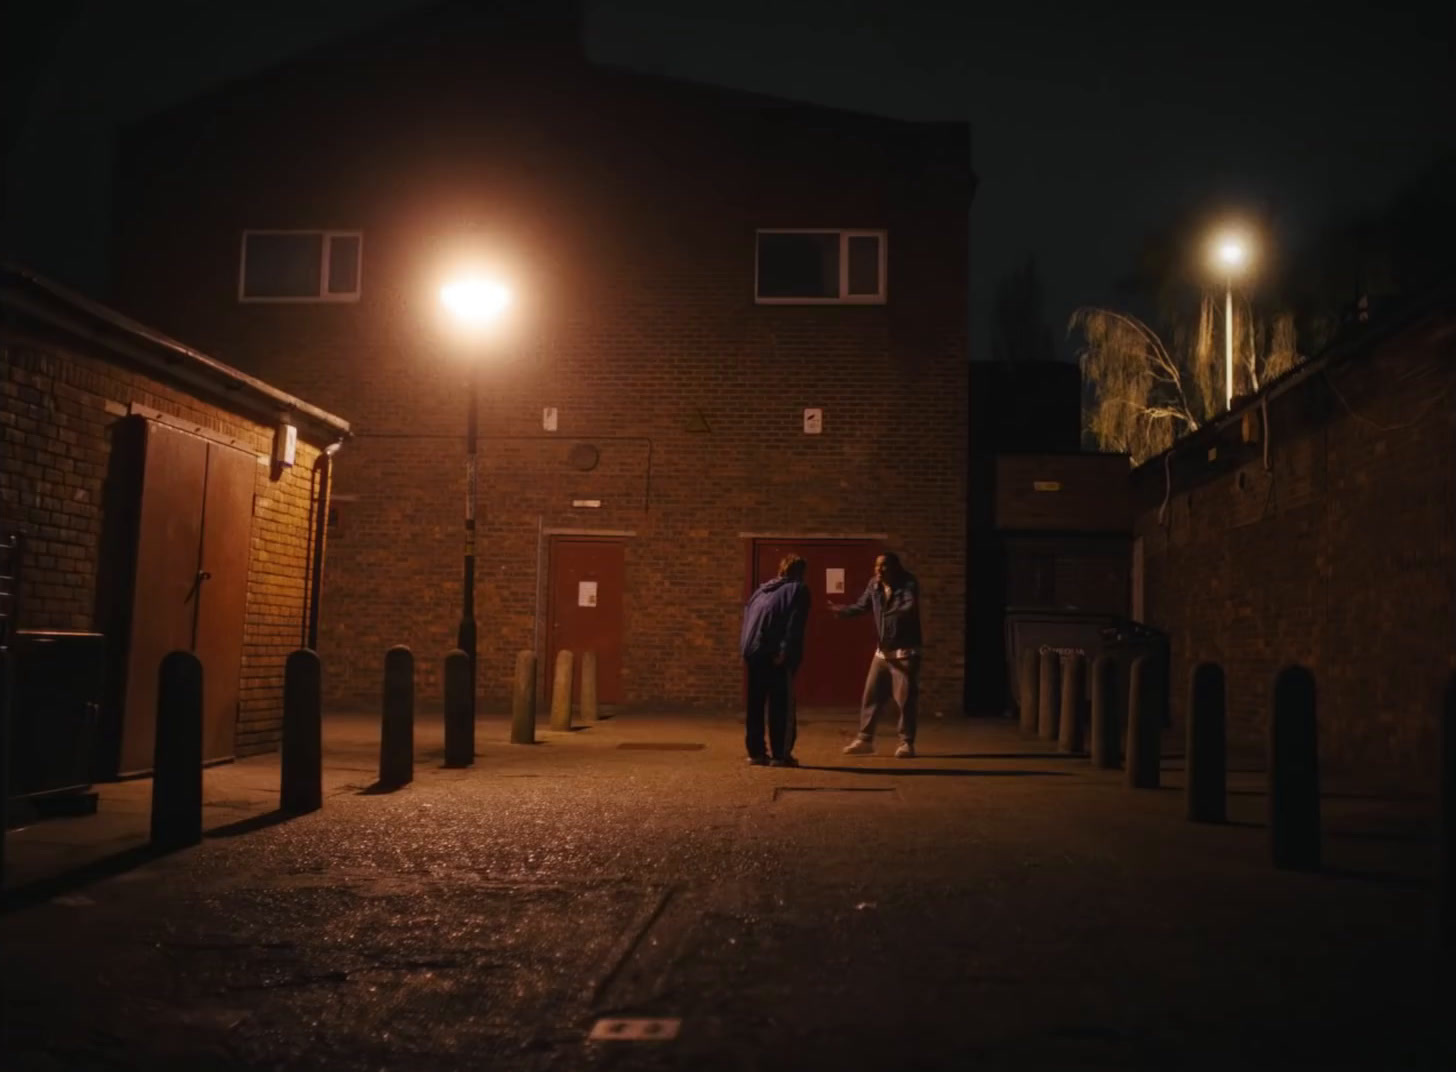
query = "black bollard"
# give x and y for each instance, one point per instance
(177, 761)
(1446, 871)
(1074, 698)
(1028, 695)
(1206, 745)
(302, 761)
(1294, 804)
(1144, 724)
(7, 675)
(459, 720)
(397, 737)
(1106, 733)
(1048, 695)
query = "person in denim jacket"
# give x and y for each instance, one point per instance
(893, 596)
(772, 645)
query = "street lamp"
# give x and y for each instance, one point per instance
(475, 304)
(1231, 254)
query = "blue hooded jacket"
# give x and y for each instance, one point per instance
(774, 619)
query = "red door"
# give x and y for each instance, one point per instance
(585, 611)
(837, 651)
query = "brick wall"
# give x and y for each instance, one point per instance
(59, 402)
(625, 212)
(1340, 555)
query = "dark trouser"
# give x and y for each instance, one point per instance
(891, 678)
(772, 686)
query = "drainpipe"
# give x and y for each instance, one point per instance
(323, 467)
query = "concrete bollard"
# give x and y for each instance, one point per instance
(589, 686)
(1074, 698)
(1106, 733)
(177, 761)
(1206, 745)
(1294, 804)
(523, 700)
(397, 737)
(561, 692)
(1048, 694)
(1028, 695)
(459, 717)
(1446, 869)
(1144, 724)
(302, 761)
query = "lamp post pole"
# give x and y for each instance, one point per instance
(1228, 344)
(466, 640)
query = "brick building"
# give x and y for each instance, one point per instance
(739, 327)
(141, 478)
(1313, 524)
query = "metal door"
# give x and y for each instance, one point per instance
(584, 610)
(837, 651)
(222, 592)
(161, 617)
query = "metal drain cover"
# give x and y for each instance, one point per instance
(662, 746)
(842, 793)
(634, 1030)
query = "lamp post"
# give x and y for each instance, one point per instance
(475, 304)
(1231, 254)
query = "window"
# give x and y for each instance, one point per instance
(820, 267)
(300, 266)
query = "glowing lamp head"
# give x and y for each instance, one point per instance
(475, 302)
(1231, 253)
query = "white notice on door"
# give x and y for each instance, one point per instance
(586, 593)
(834, 582)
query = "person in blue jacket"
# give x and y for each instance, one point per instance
(772, 645)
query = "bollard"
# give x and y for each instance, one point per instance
(1144, 724)
(1074, 696)
(588, 686)
(459, 717)
(1048, 696)
(397, 736)
(6, 677)
(1294, 804)
(523, 700)
(561, 692)
(1106, 734)
(1029, 668)
(177, 761)
(1446, 868)
(1206, 745)
(302, 761)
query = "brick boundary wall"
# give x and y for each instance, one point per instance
(59, 402)
(1341, 555)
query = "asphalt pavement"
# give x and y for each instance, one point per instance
(632, 895)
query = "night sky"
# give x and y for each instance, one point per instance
(1091, 123)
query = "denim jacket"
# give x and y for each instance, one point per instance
(897, 619)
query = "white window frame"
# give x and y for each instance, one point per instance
(845, 298)
(327, 246)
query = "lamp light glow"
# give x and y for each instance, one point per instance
(475, 301)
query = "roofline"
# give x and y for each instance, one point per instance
(25, 292)
(1375, 333)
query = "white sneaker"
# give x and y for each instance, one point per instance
(859, 747)
(905, 751)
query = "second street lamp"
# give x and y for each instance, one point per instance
(1231, 254)
(475, 305)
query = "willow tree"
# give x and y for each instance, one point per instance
(1144, 393)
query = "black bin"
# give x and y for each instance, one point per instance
(54, 707)
(1125, 641)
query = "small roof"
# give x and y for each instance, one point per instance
(24, 294)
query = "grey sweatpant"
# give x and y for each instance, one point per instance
(890, 678)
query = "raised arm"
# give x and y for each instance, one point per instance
(860, 605)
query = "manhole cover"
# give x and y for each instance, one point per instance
(831, 793)
(662, 746)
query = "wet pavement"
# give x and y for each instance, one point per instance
(990, 904)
